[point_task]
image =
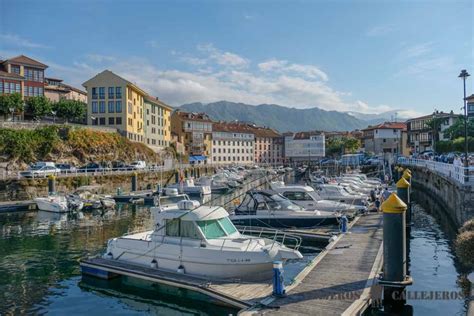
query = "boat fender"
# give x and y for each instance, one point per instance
(110, 256)
(154, 264)
(181, 269)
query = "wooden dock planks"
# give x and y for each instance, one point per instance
(339, 278)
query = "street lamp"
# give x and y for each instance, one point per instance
(54, 116)
(12, 111)
(464, 74)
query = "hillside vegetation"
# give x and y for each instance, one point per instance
(72, 145)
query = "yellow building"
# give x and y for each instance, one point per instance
(115, 102)
(157, 123)
(194, 131)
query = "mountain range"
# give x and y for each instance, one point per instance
(285, 119)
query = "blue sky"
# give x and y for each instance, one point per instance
(366, 56)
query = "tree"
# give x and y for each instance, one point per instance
(70, 109)
(10, 102)
(38, 106)
(435, 125)
(341, 145)
(457, 129)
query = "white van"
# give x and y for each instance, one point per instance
(139, 164)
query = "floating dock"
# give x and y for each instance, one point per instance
(17, 206)
(339, 280)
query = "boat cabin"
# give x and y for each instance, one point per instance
(192, 221)
(262, 201)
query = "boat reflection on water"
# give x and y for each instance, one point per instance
(153, 298)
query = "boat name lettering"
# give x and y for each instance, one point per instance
(238, 260)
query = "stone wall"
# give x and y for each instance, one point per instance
(457, 200)
(27, 189)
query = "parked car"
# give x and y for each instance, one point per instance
(41, 169)
(92, 167)
(66, 168)
(120, 166)
(138, 165)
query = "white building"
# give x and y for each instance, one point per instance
(304, 146)
(232, 143)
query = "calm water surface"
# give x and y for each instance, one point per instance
(40, 274)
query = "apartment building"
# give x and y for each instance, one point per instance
(384, 138)
(115, 102)
(420, 133)
(22, 74)
(268, 146)
(470, 106)
(304, 146)
(232, 143)
(157, 123)
(194, 132)
(55, 90)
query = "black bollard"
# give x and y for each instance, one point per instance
(176, 177)
(394, 279)
(51, 185)
(134, 182)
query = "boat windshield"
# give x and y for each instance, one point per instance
(278, 202)
(170, 199)
(217, 228)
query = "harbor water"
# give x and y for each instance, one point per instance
(40, 274)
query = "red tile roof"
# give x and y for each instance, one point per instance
(237, 127)
(263, 131)
(388, 125)
(201, 117)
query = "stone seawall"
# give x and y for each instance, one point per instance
(27, 189)
(457, 200)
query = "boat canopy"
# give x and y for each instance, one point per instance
(202, 213)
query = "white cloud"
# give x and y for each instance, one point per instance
(223, 58)
(379, 30)
(18, 41)
(98, 58)
(427, 66)
(417, 50)
(283, 66)
(271, 81)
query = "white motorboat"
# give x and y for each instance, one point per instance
(189, 187)
(216, 185)
(307, 197)
(267, 208)
(338, 193)
(91, 199)
(200, 241)
(52, 203)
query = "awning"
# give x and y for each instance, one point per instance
(197, 158)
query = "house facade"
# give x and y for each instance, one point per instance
(115, 102)
(420, 134)
(268, 147)
(56, 89)
(304, 146)
(23, 75)
(157, 123)
(384, 138)
(194, 132)
(232, 143)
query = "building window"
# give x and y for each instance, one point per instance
(118, 92)
(101, 106)
(94, 93)
(118, 106)
(111, 106)
(94, 122)
(101, 92)
(111, 92)
(16, 69)
(118, 121)
(94, 107)
(111, 121)
(102, 121)
(1, 87)
(130, 108)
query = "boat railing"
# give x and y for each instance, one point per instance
(277, 236)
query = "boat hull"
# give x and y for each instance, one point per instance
(283, 222)
(51, 206)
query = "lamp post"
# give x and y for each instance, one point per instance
(464, 74)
